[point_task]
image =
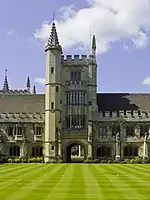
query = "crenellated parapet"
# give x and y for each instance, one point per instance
(22, 117)
(74, 60)
(14, 92)
(128, 115)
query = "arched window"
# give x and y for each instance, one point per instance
(37, 151)
(130, 151)
(14, 151)
(103, 151)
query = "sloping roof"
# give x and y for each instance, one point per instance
(106, 102)
(22, 103)
(123, 101)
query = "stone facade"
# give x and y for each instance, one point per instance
(72, 113)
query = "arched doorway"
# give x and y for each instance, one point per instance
(75, 153)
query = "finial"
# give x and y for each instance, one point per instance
(5, 85)
(53, 17)
(5, 72)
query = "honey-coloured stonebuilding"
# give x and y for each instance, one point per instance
(71, 112)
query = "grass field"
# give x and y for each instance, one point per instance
(74, 181)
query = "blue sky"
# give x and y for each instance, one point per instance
(122, 31)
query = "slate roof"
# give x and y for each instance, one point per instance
(123, 101)
(22, 103)
(30, 103)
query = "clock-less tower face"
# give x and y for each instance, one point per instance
(76, 99)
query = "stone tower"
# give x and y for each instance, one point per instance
(53, 89)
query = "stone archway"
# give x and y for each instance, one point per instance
(67, 157)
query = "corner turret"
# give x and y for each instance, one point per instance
(53, 95)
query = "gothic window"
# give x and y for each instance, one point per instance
(131, 151)
(52, 70)
(14, 151)
(38, 130)
(18, 130)
(90, 103)
(57, 88)
(102, 132)
(53, 148)
(10, 131)
(130, 130)
(103, 152)
(143, 129)
(37, 151)
(75, 121)
(52, 105)
(115, 130)
(82, 98)
(75, 98)
(75, 76)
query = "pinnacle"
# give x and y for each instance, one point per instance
(94, 42)
(53, 41)
(5, 85)
(28, 82)
(34, 89)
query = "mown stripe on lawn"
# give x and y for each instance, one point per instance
(11, 168)
(61, 189)
(10, 178)
(92, 188)
(46, 174)
(138, 178)
(140, 168)
(109, 190)
(123, 180)
(77, 185)
(20, 179)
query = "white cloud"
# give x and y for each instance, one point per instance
(141, 40)
(40, 81)
(146, 81)
(11, 32)
(110, 21)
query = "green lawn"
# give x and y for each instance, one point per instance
(74, 181)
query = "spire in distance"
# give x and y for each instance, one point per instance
(34, 89)
(28, 82)
(53, 42)
(5, 85)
